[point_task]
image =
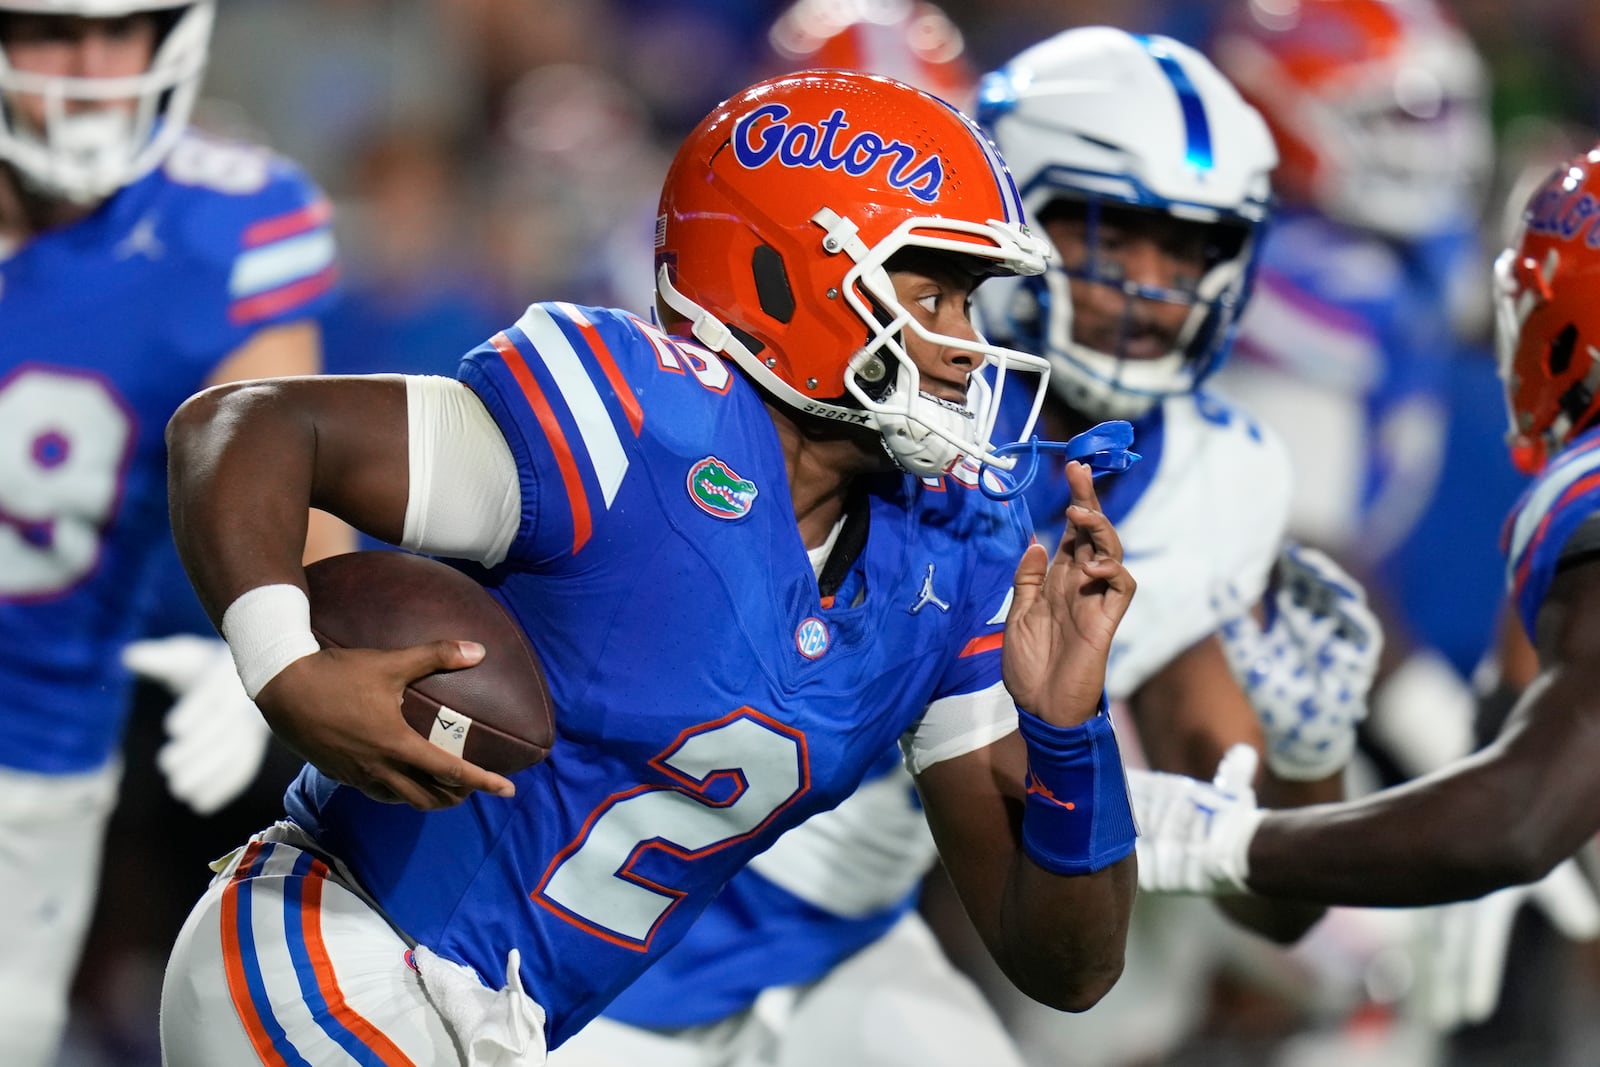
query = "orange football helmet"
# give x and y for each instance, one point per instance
(777, 218)
(910, 40)
(1377, 106)
(1547, 314)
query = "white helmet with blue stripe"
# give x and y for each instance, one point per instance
(98, 134)
(1107, 121)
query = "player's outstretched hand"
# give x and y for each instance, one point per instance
(1064, 613)
(1463, 949)
(1194, 837)
(216, 739)
(339, 709)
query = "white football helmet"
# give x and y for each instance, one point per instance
(86, 154)
(1107, 120)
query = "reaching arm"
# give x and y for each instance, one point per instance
(246, 462)
(1034, 829)
(1507, 815)
(1188, 715)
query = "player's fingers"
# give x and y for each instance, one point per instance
(1027, 582)
(1486, 955)
(1093, 533)
(1236, 774)
(429, 764)
(421, 660)
(165, 662)
(1080, 479)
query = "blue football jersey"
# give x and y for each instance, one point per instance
(1562, 498)
(1345, 351)
(708, 698)
(108, 324)
(1206, 503)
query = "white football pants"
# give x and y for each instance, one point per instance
(283, 961)
(897, 1003)
(52, 831)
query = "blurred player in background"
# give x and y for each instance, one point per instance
(816, 953)
(752, 548)
(138, 262)
(1370, 284)
(1511, 813)
(1366, 348)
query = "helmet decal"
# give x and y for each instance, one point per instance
(763, 134)
(1197, 130)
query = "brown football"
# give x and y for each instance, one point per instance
(496, 713)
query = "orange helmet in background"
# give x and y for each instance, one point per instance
(777, 219)
(1547, 314)
(912, 41)
(1377, 106)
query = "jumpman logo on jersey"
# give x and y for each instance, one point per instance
(928, 596)
(141, 241)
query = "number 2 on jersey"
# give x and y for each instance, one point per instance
(593, 884)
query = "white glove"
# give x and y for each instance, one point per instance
(1464, 945)
(1307, 674)
(1194, 837)
(216, 739)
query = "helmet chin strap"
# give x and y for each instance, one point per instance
(913, 439)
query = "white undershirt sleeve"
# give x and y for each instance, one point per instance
(953, 726)
(465, 500)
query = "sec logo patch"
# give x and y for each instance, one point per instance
(811, 638)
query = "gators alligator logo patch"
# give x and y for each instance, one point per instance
(718, 491)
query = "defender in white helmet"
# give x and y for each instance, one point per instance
(138, 262)
(1150, 176)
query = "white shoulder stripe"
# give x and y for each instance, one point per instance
(275, 265)
(602, 445)
(1544, 497)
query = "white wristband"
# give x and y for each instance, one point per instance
(267, 629)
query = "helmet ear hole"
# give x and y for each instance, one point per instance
(772, 283)
(1559, 357)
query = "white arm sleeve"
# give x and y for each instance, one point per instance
(954, 726)
(465, 499)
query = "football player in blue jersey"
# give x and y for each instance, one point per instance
(752, 548)
(1512, 812)
(815, 953)
(138, 262)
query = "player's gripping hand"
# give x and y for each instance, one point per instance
(216, 739)
(1308, 671)
(1064, 613)
(1194, 836)
(339, 709)
(1463, 949)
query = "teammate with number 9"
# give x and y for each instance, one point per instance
(138, 262)
(751, 550)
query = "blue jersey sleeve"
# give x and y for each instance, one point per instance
(259, 233)
(557, 384)
(1549, 513)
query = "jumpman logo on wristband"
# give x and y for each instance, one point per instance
(1039, 789)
